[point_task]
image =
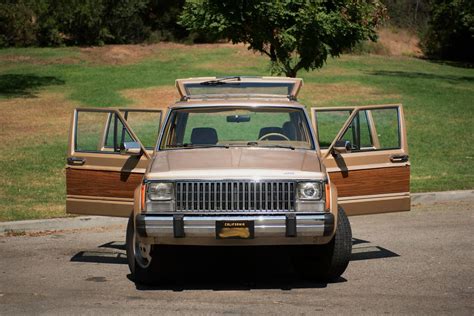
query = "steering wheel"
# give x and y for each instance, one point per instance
(274, 134)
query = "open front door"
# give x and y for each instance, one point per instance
(106, 159)
(366, 155)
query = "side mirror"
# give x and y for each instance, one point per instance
(131, 148)
(342, 146)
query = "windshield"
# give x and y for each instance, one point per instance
(237, 126)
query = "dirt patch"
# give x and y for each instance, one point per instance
(23, 233)
(118, 54)
(352, 93)
(24, 119)
(399, 42)
(129, 54)
(156, 98)
(41, 60)
(123, 54)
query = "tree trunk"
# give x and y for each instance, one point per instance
(291, 73)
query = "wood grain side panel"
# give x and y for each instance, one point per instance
(372, 181)
(101, 183)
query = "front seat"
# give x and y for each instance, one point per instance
(268, 130)
(203, 136)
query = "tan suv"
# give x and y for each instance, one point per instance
(238, 162)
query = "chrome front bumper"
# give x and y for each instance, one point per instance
(289, 228)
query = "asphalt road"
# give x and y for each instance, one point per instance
(419, 262)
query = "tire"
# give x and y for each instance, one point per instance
(328, 262)
(337, 254)
(142, 272)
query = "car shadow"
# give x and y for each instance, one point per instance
(228, 268)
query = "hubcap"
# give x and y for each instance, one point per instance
(142, 253)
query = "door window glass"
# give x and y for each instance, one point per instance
(387, 127)
(374, 129)
(100, 132)
(89, 130)
(145, 124)
(116, 134)
(358, 132)
(328, 125)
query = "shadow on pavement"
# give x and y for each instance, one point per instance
(228, 268)
(114, 245)
(100, 257)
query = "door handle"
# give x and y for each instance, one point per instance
(75, 161)
(399, 158)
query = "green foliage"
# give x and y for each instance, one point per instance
(295, 34)
(161, 18)
(124, 21)
(17, 24)
(450, 32)
(89, 22)
(92, 22)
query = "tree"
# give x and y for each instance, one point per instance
(17, 24)
(294, 34)
(450, 32)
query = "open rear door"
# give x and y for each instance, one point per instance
(373, 176)
(106, 159)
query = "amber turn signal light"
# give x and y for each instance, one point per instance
(142, 201)
(328, 196)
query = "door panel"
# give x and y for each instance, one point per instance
(100, 180)
(372, 181)
(375, 176)
(106, 183)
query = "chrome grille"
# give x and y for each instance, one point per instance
(235, 196)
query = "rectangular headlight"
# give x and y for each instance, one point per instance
(309, 191)
(160, 191)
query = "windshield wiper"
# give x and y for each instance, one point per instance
(220, 81)
(189, 146)
(255, 144)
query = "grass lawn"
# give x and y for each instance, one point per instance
(39, 87)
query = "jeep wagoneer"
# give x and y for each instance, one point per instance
(238, 162)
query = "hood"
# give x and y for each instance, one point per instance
(235, 163)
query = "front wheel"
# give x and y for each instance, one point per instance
(328, 262)
(142, 265)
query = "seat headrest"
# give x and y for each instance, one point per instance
(290, 130)
(204, 136)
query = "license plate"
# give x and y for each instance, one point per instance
(234, 229)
